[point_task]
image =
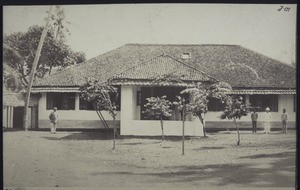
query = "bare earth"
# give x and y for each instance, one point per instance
(84, 160)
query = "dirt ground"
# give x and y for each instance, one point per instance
(84, 160)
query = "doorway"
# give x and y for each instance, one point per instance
(18, 117)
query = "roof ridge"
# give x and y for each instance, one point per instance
(191, 67)
(164, 55)
(143, 63)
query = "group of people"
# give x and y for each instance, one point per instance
(267, 118)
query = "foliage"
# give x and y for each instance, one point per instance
(200, 97)
(54, 52)
(11, 77)
(158, 107)
(235, 109)
(99, 94)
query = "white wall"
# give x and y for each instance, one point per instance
(71, 114)
(131, 125)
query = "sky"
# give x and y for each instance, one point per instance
(96, 29)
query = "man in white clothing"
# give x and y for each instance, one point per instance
(267, 120)
(53, 119)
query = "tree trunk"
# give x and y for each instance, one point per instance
(202, 120)
(162, 129)
(183, 122)
(32, 74)
(114, 118)
(238, 132)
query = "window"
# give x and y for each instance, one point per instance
(215, 104)
(185, 55)
(83, 105)
(115, 99)
(63, 101)
(264, 101)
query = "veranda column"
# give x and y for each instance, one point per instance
(77, 96)
(126, 113)
(11, 117)
(247, 98)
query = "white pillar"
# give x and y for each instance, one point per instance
(247, 98)
(11, 117)
(127, 109)
(42, 105)
(77, 96)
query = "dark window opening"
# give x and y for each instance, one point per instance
(215, 104)
(63, 101)
(261, 102)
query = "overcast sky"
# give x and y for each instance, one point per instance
(96, 29)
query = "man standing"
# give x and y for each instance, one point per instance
(254, 117)
(53, 119)
(284, 119)
(267, 120)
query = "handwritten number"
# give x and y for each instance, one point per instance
(286, 9)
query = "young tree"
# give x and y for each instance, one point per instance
(184, 106)
(99, 94)
(158, 108)
(200, 96)
(235, 109)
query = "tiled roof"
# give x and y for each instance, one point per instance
(13, 99)
(54, 89)
(234, 64)
(261, 91)
(161, 67)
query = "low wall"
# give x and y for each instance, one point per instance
(153, 128)
(84, 124)
(245, 125)
(192, 128)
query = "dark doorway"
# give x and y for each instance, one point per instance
(18, 117)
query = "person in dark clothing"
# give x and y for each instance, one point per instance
(254, 117)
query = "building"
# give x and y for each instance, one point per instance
(262, 81)
(13, 110)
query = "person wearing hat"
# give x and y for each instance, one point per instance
(267, 120)
(53, 119)
(284, 119)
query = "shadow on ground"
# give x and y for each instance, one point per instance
(108, 135)
(280, 173)
(83, 136)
